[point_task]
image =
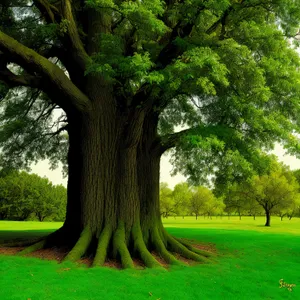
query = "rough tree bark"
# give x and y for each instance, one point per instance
(113, 190)
(114, 153)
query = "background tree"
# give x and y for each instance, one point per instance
(181, 195)
(235, 201)
(59, 196)
(17, 195)
(48, 200)
(126, 74)
(200, 197)
(240, 198)
(214, 206)
(274, 192)
(291, 210)
(167, 203)
(23, 195)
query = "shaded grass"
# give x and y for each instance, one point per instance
(250, 265)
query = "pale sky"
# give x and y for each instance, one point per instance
(42, 169)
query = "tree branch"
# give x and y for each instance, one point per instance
(220, 21)
(13, 80)
(57, 132)
(48, 11)
(82, 57)
(55, 80)
(164, 143)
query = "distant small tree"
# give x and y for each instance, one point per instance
(201, 195)
(235, 200)
(289, 211)
(166, 200)
(213, 206)
(274, 192)
(240, 198)
(181, 195)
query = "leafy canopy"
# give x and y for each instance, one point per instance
(226, 69)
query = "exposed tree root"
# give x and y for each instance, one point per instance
(198, 251)
(37, 246)
(141, 249)
(120, 247)
(124, 246)
(177, 247)
(81, 246)
(102, 247)
(162, 250)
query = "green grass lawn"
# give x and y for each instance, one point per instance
(252, 259)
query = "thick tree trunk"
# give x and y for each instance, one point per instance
(113, 192)
(268, 218)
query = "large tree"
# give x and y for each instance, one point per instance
(125, 73)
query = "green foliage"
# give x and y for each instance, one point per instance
(225, 67)
(23, 195)
(201, 199)
(275, 192)
(185, 74)
(240, 199)
(181, 195)
(28, 127)
(166, 200)
(185, 200)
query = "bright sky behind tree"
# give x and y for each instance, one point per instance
(42, 168)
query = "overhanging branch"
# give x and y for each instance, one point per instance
(56, 81)
(48, 11)
(169, 141)
(166, 142)
(13, 80)
(81, 56)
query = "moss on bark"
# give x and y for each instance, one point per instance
(113, 192)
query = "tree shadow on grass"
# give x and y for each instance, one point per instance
(10, 236)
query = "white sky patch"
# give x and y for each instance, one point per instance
(43, 168)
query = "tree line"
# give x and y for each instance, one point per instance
(185, 200)
(276, 193)
(25, 196)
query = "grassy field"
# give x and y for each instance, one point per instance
(252, 259)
